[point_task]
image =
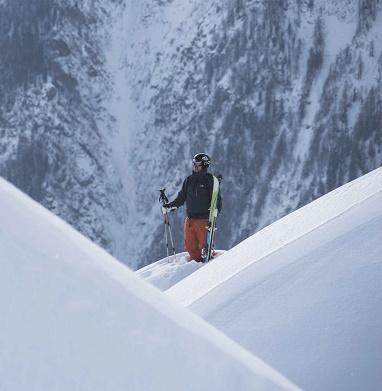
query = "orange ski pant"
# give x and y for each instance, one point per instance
(195, 236)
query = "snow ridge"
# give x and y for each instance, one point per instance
(277, 235)
(75, 318)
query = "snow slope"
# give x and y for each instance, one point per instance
(169, 271)
(305, 292)
(73, 318)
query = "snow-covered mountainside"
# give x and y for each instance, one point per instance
(74, 318)
(56, 129)
(104, 103)
(304, 293)
(285, 96)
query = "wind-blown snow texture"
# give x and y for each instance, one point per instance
(74, 318)
(305, 292)
(104, 103)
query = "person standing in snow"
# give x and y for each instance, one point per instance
(196, 192)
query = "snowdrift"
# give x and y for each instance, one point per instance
(305, 292)
(169, 271)
(73, 318)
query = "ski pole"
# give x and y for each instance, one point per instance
(169, 230)
(167, 227)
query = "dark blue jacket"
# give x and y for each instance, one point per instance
(197, 193)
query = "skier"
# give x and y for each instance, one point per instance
(196, 192)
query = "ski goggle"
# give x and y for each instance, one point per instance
(195, 163)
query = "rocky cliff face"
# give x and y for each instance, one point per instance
(104, 104)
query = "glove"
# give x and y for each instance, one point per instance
(169, 207)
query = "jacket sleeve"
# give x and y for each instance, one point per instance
(181, 197)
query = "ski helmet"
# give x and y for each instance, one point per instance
(201, 159)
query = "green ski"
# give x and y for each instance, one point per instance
(211, 228)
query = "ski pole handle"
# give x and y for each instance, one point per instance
(162, 197)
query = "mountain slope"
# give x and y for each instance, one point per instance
(304, 292)
(104, 103)
(72, 317)
(56, 129)
(283, 95)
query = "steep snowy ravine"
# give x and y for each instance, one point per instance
(104, 103)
